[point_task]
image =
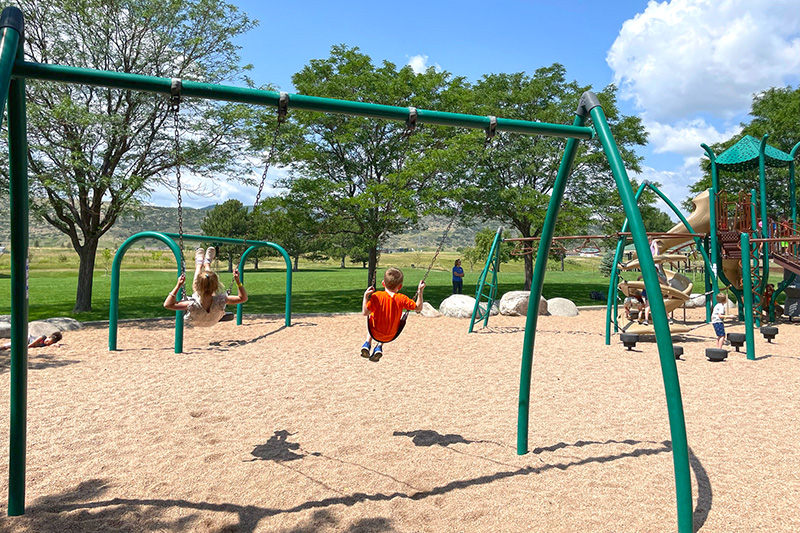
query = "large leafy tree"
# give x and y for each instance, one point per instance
(287, 221)
(362, 170)
(774, 113)
(94, 153)
(514, 180)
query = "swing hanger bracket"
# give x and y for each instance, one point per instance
(283, 106)
(175, 88)
(411, 122)
(491, 129)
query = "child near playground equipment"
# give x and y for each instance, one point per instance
(205, 307)
(385, 310)
(38, 341)
(716, 319)
(769, 292)
(633, 301)
(458, 277)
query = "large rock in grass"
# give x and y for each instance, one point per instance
(695, 300)
(515, 303)
(429, 311)
(49, 326)
(461, 306)
(561, 307)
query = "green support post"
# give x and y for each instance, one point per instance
(493, 262)
(747, 297)
(793, 184)
(11, 32)
(116, 267)
(762, 183)
(669, 370)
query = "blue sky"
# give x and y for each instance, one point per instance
(687, 67)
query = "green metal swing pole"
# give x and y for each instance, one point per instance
(611, 299)
(669, 371)
(11, 36)
(762, 183)
(747, 296)
(537, 282)
(246, 95)
(116, 267)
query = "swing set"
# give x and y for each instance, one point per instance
(14, 70)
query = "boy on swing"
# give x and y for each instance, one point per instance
(385, 310)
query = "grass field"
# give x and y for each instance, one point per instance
(321, 287)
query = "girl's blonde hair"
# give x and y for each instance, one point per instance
(206, 284)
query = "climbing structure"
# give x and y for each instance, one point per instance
(745, 236)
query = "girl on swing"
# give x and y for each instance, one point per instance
(385, 310)
(207, 304)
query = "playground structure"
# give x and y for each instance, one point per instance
(171, 240)
(14, 71)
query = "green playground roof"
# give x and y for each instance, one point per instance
(744, 156)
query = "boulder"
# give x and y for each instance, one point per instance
(695, 300)
(561, 307)
(49, 326)
(429, 311)
(461, 306)
(515, 303)
(5, 330)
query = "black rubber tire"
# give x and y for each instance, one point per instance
(716, 354)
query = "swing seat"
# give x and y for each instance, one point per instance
(400, 327)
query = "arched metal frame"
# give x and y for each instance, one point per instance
(169, 240)
(13, 71)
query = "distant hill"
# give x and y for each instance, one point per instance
(151, 218)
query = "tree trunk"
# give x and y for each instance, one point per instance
(562, 262)
(230, 262)
(255, 261)
(372, 265)
(296, 263)
(343, 258)
(528, 260)
(83, 298)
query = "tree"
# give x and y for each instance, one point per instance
(228, 219)
(774, 113)
(483, 245)
(361, 169)
(94, 153)
(287, 221)
(514, 181)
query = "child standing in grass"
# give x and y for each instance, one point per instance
(716, 319)
(205, 307)
(385, 309)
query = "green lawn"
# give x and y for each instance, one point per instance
(317, 287)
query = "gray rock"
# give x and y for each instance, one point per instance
(515, 303)
(461, 306)
(696, 300)
(561, 307)
(5, 330)
(51, 325)
(429, 311)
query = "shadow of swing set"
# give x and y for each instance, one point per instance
(14, 70)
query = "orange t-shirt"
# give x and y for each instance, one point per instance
(385, 313)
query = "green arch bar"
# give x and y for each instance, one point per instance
(170, 240)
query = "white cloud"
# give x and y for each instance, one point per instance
(673, 183)
(419, 64)
(685, 136)
(683, 57)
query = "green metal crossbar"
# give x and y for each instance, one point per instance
(492, 262)
(170, 240)
(13, 65)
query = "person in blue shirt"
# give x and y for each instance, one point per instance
(458, 275)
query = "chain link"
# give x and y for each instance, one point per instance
(175, 107)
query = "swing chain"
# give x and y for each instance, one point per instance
(283, 110)
(175, 106)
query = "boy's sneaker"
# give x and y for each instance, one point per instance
(377, 354)
(365, 350)
(198, 256)
(211, 253)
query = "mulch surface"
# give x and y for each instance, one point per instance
(272, 429)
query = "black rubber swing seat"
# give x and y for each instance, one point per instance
(716, 354)
(629, 340)
(769, 332)
(737, 340)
